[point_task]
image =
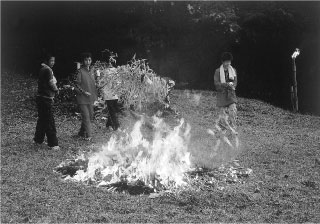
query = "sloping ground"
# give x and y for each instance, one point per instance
(282, 149)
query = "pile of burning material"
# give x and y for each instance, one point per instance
(201, 178)
(153, 157)
(230, 173)
(72, 167)
(129, 162)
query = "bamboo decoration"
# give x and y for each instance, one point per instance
(294, 88)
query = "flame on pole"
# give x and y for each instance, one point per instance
(294, 88)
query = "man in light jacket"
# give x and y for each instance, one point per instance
(85, 87)
(225, 81)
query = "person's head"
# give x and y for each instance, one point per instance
(86, 59)
(226, 59)
(49, 60)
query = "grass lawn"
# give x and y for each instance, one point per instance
(282, 149)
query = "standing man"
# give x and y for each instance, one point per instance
(47, 89)
(225, 81)
(86, 95)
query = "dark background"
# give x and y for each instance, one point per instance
(181, 40)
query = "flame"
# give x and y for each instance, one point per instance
(295, 53)
(162, 161)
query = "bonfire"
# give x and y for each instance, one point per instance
(147, 160)
(159, 163)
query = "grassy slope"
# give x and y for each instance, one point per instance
(282, 148)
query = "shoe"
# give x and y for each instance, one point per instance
(37, 143)
(55, 147)
(109, 128)
(87, 139)
(77, 136)
(81, 134)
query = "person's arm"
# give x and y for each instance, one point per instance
(217, 83)
(235, 82)
(76, 83)
(52, 81)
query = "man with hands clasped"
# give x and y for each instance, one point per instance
(225, 81)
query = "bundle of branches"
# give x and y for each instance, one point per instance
(135, 84)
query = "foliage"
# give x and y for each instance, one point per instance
(183, 40)
(269, 34)
(135, 84)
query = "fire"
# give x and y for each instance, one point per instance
(160, 163)
(295, 53)
(151, 154)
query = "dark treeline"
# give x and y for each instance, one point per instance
(182, 40)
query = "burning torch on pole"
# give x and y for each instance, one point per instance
(294, 88)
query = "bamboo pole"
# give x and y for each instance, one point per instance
(294, 88)
(292, 98)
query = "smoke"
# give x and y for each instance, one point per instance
(210, 145)
(193, 98)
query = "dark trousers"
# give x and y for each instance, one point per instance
(113, 121)
(45, 124)
(86, 111)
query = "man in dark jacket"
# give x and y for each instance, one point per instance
(225, 81)
(46, 91)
